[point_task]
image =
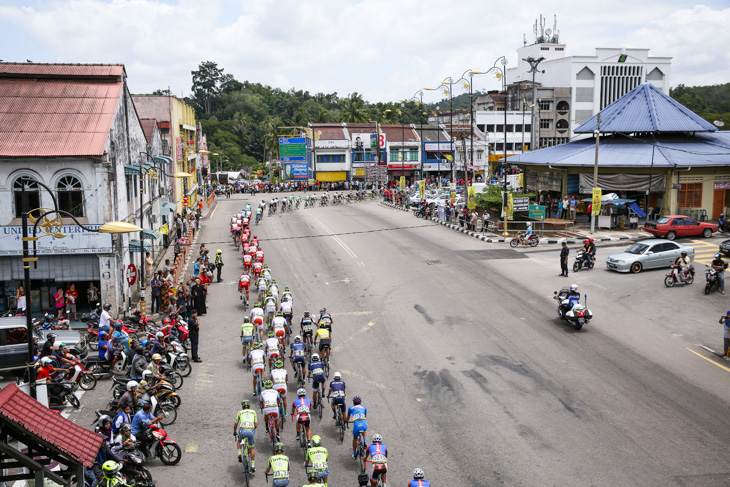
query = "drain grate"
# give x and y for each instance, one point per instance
(433, 262)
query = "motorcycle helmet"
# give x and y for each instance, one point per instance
(139, 350)
(157, 356)
(146, 373)
(131, 384)
(301, 392)
(46, 360)
(316, 440)
(377, 438)
(338, 376)
(48, 317)
(417, 473)
(159, 334)
(103, 419)
(684, 254)
(268, 384)
(117, 326)
(144, 343)
(107, 307)
(356, 400)
(586, 241)
(110, 468)
(245, 404)
(126, 427)
(297, 339)
(62, 345)
(166, 321)
(219, 251)
(279, 364)
(573, 287)
(717, 256)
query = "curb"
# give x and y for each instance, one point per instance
(391, 205)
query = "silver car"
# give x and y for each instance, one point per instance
(648, 254)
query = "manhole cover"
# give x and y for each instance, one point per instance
(433, 262)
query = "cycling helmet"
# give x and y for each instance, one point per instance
(338, 376)
(417, 473)
(256, 345)
(316, 440)
(246, 319)
(286, 289)
(157, 356)
(266, 266)
(279, 447)
(159, 334)
(146, 373)
(297, 339)
(322, 311)
(323, 325)
(313, 476)
(573, 287)
(110, 468)
(356, 400)
(363, 479)
(273, 281)
(306, 313)
(271, 334)
(301, 392)
(107, 307)
(279, 364)
(279, 313)
(131, 384)
(268, 384)
(245, 404)
(315, 357)
(377, 438)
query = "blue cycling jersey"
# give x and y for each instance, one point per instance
(317, 369)
(337, 386)
(419, 483)
(357, 413)
(301, 405)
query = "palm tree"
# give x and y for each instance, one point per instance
(354, 109)
(272, 128)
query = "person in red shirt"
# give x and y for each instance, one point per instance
(72, 295)
(45, 370)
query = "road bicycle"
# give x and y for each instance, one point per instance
(360, 449)
(340, 423)
(246, 460)
(326, 362)
(299, 373)
(319, 406)
(273, 436)
(259, 385)
(246, 351)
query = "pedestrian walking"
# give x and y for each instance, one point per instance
(725, 320)
(194, 333)
(92, 296)
(564, 259)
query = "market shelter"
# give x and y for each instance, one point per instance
(652, 149)
(49, 439)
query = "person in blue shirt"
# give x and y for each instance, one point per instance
(528, 232)
(337, 393)
(297, 354)
(418, 479)
(316, 372)
(141, 421)
(103, 345)
(357, 414)
(300, 414)
(122, 417)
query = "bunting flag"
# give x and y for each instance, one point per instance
(163, 229)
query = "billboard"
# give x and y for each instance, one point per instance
(293, 149)
(297, 171)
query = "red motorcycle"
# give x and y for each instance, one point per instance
(92, 335)
(80, 376)
(677, 275)
(166, 449)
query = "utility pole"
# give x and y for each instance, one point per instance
(533, 69)
(597, 132)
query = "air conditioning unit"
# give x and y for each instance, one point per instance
(153, 218)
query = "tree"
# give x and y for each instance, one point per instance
(354, 110)
(166, 92)
(206, 83)
(273, 130)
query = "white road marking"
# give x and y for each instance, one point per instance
(337, 239)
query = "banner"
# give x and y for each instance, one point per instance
(471, 201)
(422, 188)
(521, 181)
(402, 182)
(164, 229)
(596, 208)
(510, 210)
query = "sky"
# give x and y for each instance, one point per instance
(384, 49)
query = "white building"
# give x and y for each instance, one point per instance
(595, 81)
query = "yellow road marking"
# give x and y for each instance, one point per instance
(710, 360)
(213, 213)
(191, 448)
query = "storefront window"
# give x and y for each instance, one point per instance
(690, 196)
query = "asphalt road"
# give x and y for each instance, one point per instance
(455, 346)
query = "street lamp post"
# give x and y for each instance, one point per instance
(51, 228)
(533, 69)
(418, 98)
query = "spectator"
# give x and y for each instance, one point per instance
(92, 295)
(156, 286)
(474, 217)
(60, 298)
(725, 320)
(149, 265)
(176, 248)
(20, 300)
(166, 267)
(573, 206)
(72, 295)
(182, 309)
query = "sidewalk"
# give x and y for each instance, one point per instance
(583, 231)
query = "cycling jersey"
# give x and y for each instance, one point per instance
(338, 388)
(272, 346)
(278, 377)
(247, 331)
(298, 353)
(244, 282)
(256, 312)
(247, 259)
(307, 325)
(419, 483)
(379, 453)
(257, 360)
(323, 334)
(301, 407)
(279, 467)
(279, 326)
(317, 457)
(246, 419)
(317, 370)
(270, 398)
(286, 307)
(274, 290)
(357, 415)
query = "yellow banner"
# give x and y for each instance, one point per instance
(422, 188)
(163, 229)
(596, 208)
(359, 171)
(521, 182)
(402, 182)
(510, 211)
(471, 201)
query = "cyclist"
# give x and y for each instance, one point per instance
(274, 289)
(279, 325)
(266, 272)
(325, 318)
(297, 355)
(316, 372)
(357, 413)
(307, 328)
(243, 283)
(269, 306)
(279, 466)
(270, 402)
(314, 481)
(301, 407)
(256, 359)
(325, 340)
(261, 285)
(363, 479)
(259, 256)
(418, 479)
(379, 454)
(280, 378)
(257, 269)
(259, 214)
(245, 427)
(247, 333)
(337, 393)
(316, 459)
(272, 349)
(247, 262)
(257, 317)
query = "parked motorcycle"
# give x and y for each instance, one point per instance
(576, 314)
(132, 460)
(163, 447)
(712, 281)
(582, 261)
(178, 359)
(677, 276)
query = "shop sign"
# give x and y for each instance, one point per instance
(723, 185)
(76, 240)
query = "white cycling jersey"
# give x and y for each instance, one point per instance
(272, 345)
(270, 398)
(286, 306)
(257, 356)
(278, 376)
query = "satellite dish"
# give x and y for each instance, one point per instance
(548, 32)
(719, 123)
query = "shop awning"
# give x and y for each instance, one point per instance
(134, 246)
(62, 268)
(131, 170)
(162, 160)
(169, 207)
(150, 234)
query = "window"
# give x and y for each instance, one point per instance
(545, 123)
(690, 196)
(677, 222)
(544, 105)
(70, 195)
(559, 48)
(500, 129)
(544, 48)
(518, 128)
(479, 155)
(17, 336)
(490, 128)
(338, 157)
(410, 155)
(510, 128)
(32, 194)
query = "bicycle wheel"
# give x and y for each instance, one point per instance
(341, 424)
(327, 368)
(320, 406)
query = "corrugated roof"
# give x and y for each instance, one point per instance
(672, 150)
(79, 443)
(399, 133)
(56, 118)
(148, 126)
(329, 131)
(61, 70)
(646, 109)
(431, 134)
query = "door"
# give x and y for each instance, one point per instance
(677, 226)
(691, 228)
(718, 203)
(654, 257)
(670, 252)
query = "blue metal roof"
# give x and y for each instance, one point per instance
(646, 109)
(671, 151)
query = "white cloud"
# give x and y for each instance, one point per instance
(384, 49)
